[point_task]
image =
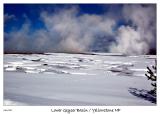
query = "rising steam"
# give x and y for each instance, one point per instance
(139, 37)
(67, 31)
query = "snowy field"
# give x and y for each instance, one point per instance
(58, 79)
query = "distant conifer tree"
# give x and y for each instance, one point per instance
(152, 75)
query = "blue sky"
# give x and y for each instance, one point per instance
(32, 11)
(65, 27)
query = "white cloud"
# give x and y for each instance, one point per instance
(8, 17)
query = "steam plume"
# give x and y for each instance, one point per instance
(68, 31)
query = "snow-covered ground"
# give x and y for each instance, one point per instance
(77, 79)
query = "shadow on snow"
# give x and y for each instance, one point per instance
(143, 94)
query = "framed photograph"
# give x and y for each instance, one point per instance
(79, 54)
